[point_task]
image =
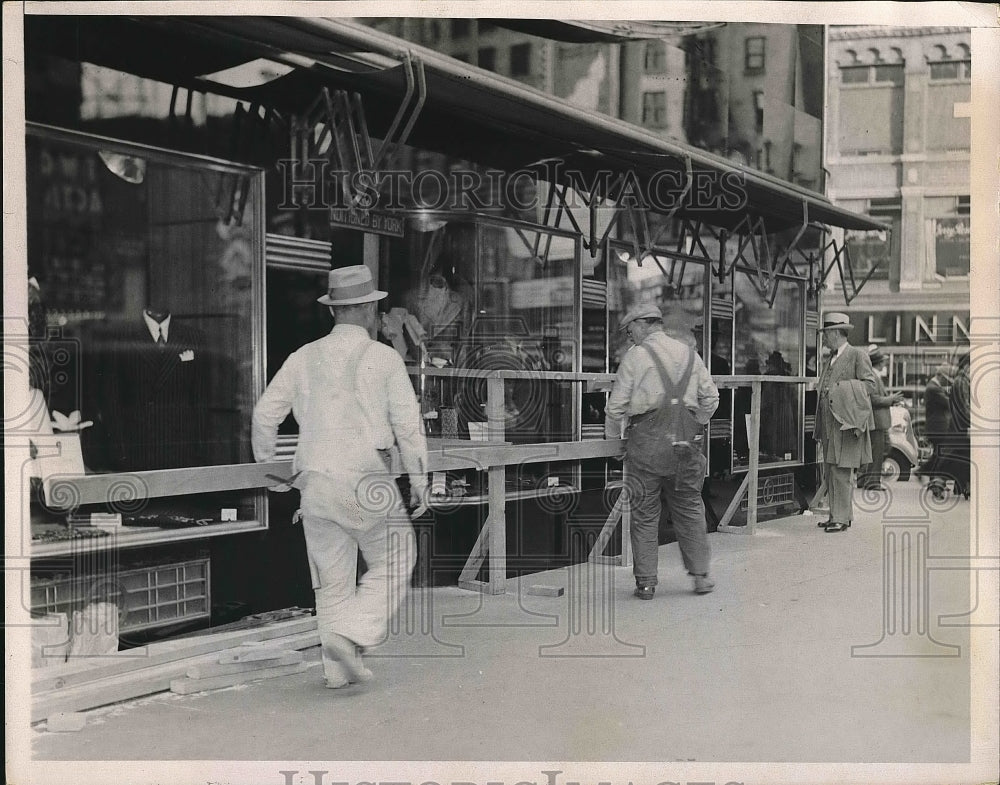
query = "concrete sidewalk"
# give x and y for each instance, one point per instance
(760, 670)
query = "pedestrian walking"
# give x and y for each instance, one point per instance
(844, 418)
(353, 402)
(937, 425)
(957, 453)
(882, 402)
(666, 395)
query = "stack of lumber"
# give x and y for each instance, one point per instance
(249, 662)
(98, 681)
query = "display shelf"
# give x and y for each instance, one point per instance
(134, 537)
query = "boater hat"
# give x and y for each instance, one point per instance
(351, 286)
(836, 321)
(640, 312)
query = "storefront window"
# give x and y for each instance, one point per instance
(148, 265)
(482, 296)
(768, 341)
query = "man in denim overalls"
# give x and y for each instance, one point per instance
(668, 395)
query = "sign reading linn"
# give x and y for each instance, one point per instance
(367, 221)
(900, 328)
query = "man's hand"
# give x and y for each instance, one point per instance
(417, 502)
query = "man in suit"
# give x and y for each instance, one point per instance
(843, 417)
(882, 403)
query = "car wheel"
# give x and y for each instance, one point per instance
(895, 468)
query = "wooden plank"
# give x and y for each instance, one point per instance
(242, 666)
(483, 587)
(476, 557)
(95, 669)
(498, 530)
(610, 524)
(754, 446)
(135, 684)
(186, 686)
(734, 505)
(626, 557)
(540, 590)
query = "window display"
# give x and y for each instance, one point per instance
(144, 337)
(155, 292)
(769, 341)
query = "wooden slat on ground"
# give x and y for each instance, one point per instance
(137, 682)
(243, 666)
(94, 669)
(186, 686)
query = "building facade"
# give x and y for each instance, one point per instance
(898, 148)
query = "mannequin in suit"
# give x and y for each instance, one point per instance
(151, 390)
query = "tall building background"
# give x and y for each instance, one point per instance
(752, 93)
(898, 148)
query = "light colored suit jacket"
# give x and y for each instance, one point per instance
(840, 447)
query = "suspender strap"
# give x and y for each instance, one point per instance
(670, 390)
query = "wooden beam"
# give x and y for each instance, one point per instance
(135, 684)
(93, 669)
(734, 505)
(754, 439)
(597, 552)
(497, 491)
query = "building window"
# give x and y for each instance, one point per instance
(486, 26)
(758, 107)
(963, 205)
(878, 248)
(655, 57)
(854, 75)
(488, 58)
(460, 28)
(871, 110)
(953, 69)
(520, 60)
(654, 109)
(891, 74)
(753, 54)
(873, 74)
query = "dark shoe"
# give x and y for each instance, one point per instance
(644, 592)
(821, 524)
(837, 527)
(703, 584)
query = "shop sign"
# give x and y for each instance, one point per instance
(951, 246)
(375, 221)
(900, 328)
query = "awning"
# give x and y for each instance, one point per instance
(469, 113)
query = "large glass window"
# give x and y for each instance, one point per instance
(768, 341)
(150, 266)
(480, 297)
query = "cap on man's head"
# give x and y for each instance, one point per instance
(835, 320)
(640, 312)
(351, 286)
(875, 354)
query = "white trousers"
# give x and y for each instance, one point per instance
(360, 611)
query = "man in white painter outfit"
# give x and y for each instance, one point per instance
(668, 395)
(353, 401)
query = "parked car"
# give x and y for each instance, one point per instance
(902, 451)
